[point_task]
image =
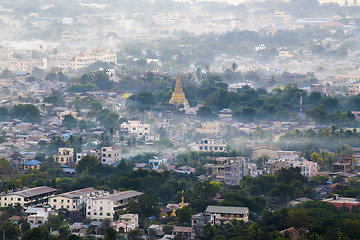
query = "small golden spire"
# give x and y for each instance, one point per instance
(173, 214)
(182, 200)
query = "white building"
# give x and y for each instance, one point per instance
(156, 162)
(105, 206)
(83, 61)
(110, 155)
(72, 201)
(95, 153)
(38, 216)
(210, 145)
(151, 138)
(135, 128)
(27, 197)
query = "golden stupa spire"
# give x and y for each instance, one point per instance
(178, 96)
(173, 214)
(182, 200)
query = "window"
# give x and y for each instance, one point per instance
(88, 213)
(54, 200)
(68, 201)
(107, 214)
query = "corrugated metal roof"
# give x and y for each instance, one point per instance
(33, 191)
(227, 209)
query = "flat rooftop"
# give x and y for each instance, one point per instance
(118, 196)
(78, 193)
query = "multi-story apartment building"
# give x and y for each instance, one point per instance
(110, 155)
(104, 206)
(230, 169)
(211, 128)
(210, 145)
(72, 201)
(85, 60)
(354, 90)
(308, 168)
(64, 156)
(135, 128)
(27, 197)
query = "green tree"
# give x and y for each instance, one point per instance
(86, 163)
(69, 121)
(183, 216)
(110, 234)
(25, 112)
(300, 220)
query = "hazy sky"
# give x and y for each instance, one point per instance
(341, 2)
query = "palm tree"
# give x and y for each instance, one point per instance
(111, 132)
(234, 66)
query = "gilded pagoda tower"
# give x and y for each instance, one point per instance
(178, 96)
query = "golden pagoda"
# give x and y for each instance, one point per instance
(178, 96)
(173, 213)
(182, 201)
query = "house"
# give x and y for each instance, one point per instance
(225, 113)
(284, 53)
(156, 162)
(105, 205)
(199, 221)
(38, 216)
(64, 156)
(33, 164)
(183, 232)
(354, 90)
(135, 128)
(344, 164)
(210, 128)
(343, 202)
(27, 197)
(72, 201)
(221, 214)
(110, 155)
(298, 201)
(126, 223)
(210, 145)
(152, 137)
